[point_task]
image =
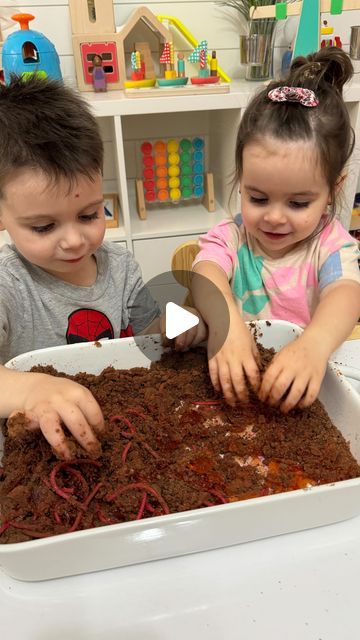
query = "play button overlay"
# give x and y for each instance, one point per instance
(171, 290)
(178, 320)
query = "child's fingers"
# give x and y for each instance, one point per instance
(50, 425)
(311, 394)
(267, 383)
(75, 421)
(226, 384)
(294, 395)
(184, 340)
(253, 375)
(280, 386)
(92, 412)
(29, 419)
(239, 384)
(214, 374)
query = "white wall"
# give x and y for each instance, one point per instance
(206, 20)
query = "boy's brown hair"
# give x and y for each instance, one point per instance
(47, 126)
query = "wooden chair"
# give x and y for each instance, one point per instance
(355, 335)
(182, 259)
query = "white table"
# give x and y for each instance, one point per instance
(301, 586)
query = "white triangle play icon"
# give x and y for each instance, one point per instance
(178, 320)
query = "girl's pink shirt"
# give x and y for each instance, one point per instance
(286, 288)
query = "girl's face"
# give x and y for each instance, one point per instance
(284, 193)
(56, 227)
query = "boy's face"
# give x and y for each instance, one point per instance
(283, 193)
(55, 226)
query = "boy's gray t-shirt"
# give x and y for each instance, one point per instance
(38, 310)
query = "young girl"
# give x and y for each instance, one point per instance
(287, 257)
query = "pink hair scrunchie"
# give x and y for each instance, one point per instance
(306, 97)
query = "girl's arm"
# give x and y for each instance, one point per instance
(46, 401)
(231, 349)
(298, 369)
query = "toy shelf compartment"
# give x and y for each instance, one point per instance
(157, 149)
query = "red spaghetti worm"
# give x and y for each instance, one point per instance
(135, 412)
(102, 517)
(142, 506)
(218, 494)
(125, 452)
(119, 418)
(139, 485)
(151, 450)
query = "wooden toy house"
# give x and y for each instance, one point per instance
(147, 34)
(94, 32)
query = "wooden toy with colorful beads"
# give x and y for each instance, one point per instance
(173, 171)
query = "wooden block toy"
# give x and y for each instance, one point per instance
(107, 46)
(173, 172)
(92, 16)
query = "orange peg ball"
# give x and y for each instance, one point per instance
(163, 194)
(160, 160)
(161, 183)
(160, 146)
(161, 172)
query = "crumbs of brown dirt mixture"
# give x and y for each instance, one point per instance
(169, 445)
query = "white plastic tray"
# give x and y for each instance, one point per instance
(191, 531)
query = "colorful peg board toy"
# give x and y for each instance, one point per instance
(173, 172)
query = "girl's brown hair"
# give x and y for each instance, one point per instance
(327, 125)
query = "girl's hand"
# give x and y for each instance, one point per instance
(297, 371)
(47, 401)
(236, 361)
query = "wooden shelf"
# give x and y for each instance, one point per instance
(175, 221)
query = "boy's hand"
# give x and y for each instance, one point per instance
(189, 338)
(297, 371)
(234, 362)
(47, 401)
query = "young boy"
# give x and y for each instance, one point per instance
(59, 282)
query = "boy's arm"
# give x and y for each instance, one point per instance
(47, 401)
(301, 365)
